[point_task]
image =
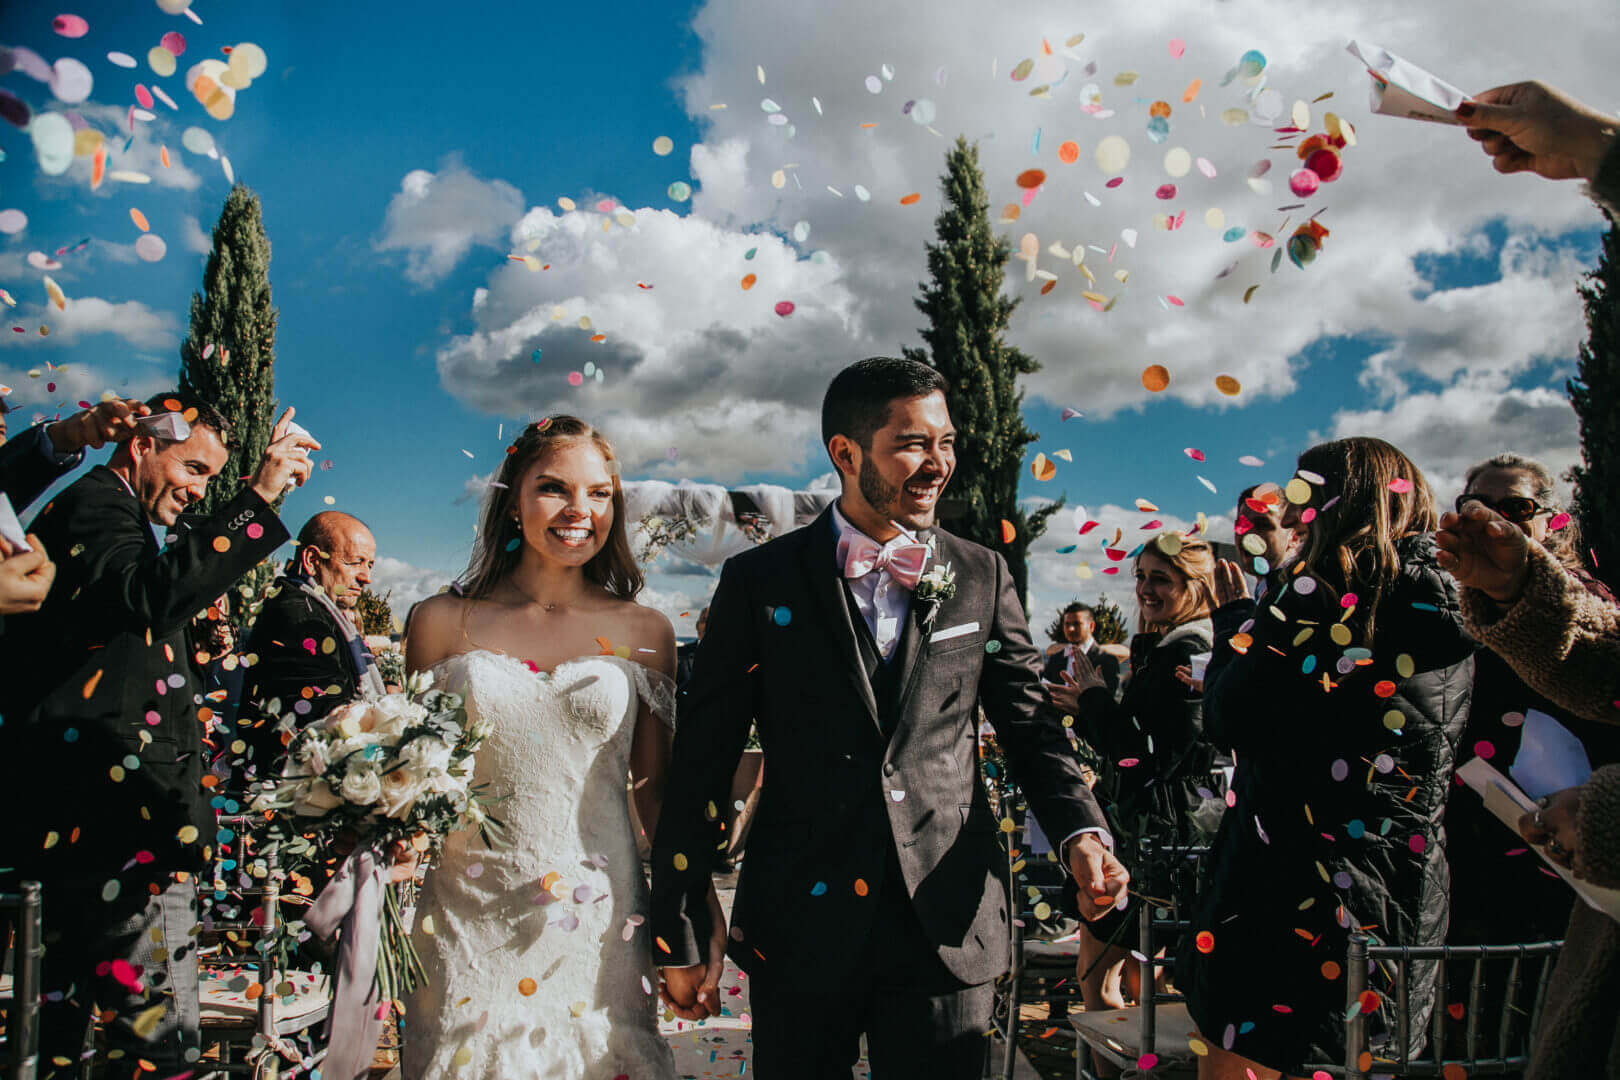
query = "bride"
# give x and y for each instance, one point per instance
(537, 957)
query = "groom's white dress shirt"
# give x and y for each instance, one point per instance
(881, 602)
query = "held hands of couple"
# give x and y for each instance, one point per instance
(1484, 551)
(286, 460)
(1101, 880)
(693, 993)
(25, 578)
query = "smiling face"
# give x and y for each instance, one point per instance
(901, 476)
(565, 503)
(1161, 591)
(170, 476)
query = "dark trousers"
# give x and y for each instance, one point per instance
(153, 1005)
(919, 1020)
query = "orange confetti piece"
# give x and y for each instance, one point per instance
(253, 992)
(1009, 532)
(1048, 287)
(599, 338)
(748, 281)
(1010, 212)
(163, 155)
(527, 987)
(1156, 378)
(91, 683)
(1069, 153)
(663, 946)
(1042, 468)
(869, 124)
(914, 197)
(222, 544)
(1190, 94)
(1330, 970)
(1228, 385)
(861, 888)
(607, 646)
(139, 219)
(98, 167)
(1031, 178)
(1205, 941)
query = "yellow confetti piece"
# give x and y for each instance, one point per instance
(1297, 491)
(1042, 468)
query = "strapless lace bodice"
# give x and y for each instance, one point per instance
(537, 956)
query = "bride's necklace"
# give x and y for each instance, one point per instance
(548, 608)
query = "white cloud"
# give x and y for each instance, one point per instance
(192, 236)
(405, 584)
(691, 361)
(1446, 431)
(700, 365)
(44, 390)
(143, 153)
(85, 316)
(437, 218)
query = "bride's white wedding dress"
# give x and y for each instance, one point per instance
(537, 954)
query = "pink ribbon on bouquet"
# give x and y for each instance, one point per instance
(352, 902)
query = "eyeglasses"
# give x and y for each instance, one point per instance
(1516, 508)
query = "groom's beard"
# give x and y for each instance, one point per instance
(884, 497)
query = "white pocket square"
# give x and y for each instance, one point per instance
(952, 632)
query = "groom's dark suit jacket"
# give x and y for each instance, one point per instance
(869, 765)
(101, 743)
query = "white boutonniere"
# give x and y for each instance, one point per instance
(937, 584)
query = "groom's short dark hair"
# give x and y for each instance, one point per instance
(857, 402)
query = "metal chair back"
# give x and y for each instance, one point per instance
(1492, 1045)
(22, 1005)
(1155, 931)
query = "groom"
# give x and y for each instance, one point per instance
(861, 646)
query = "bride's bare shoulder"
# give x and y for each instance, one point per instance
(648, 633)
(434, 630)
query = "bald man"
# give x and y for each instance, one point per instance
(311, 658)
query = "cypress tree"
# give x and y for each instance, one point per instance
(965, 338)
(234, 323)
(1594, 392)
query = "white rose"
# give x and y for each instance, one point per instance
(362, 785)
(426, 755)
(400, 790)
(315, 799)
(345, 720)
(312, 756)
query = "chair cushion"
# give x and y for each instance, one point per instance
(1117, 1033)
(225, 1000)
(1052, 952)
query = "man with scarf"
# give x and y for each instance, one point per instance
(310, 655)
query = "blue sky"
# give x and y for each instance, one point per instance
(405, 333)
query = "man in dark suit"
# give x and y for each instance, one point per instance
(686, 655)
(100, 752)
(310, 655)
(1079, 623)
(32, 462)
(862, 646)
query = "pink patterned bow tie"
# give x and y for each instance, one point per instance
(861, 555)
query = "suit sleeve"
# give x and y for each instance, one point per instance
(713, 715)
(285, 666)
(1038, 752)
(29, 464)
(125, 586)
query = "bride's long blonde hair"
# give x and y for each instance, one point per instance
(494, 554)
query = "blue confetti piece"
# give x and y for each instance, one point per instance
(1425, 607)
(70, 735)
(819, 889)
(536, 355)
(1067, 549)
(1309, 666)
(782, 616)
(992, 646)
(1234, 234)
(750, 253)
(1246, 1027)
(1035, 146)
(1383, 829)
(1355, 829)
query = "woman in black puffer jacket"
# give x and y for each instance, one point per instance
(1342, 698)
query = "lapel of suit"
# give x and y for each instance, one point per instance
(819, 562)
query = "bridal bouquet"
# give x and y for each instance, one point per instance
(370, 775)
